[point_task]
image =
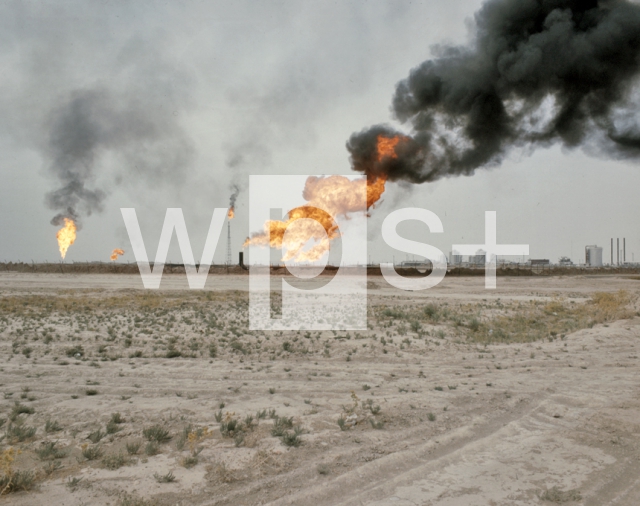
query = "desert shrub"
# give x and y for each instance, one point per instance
(96, 436)
(10, 480)
(73, 483)
(537, 322)
(20, 409)
(17, 481)
(112, 428)
(431, 312)
(230, 427)
(190, 461)
(152, 448)
(280, 424)
(91, 452)
(172, 352)
(50, 426)
(133, 448)
(50, 467)
(156, 433)
(238, 346)
(554, 494)
(164, 478)
(292, 438)
(18, 431)
(133, 500)
(48, 451)
(115, 461)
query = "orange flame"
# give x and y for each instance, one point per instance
(335, 194)
(116, 253)
(66, 236)
(231, 213)
(387, 146)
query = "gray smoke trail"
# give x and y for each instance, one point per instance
(235, 191)
(540, 72)
(139, 131)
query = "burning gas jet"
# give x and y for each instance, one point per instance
(66, 236)
(339, 196)
(538, 73)
(231, 213)
(116, 253)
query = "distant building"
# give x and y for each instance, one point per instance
(593, 256)
(480, 258)
(565, 262)
(540, 262)
(455, 258)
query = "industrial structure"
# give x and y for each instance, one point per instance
(455, 258)
(621, 254)
(593, 256)
(228, 260)
(479, 258)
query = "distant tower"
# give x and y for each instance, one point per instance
(228, 243)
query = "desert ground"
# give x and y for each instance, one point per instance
(115, 395)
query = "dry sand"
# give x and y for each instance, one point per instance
(462, 423)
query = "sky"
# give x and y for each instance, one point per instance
(191, 98)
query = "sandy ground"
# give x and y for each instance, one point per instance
(459, 422)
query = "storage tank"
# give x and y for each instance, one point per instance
(593, 256)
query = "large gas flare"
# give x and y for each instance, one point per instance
(535, 74)
(66, 236)
(116, 253)
(231, 213)
(328, 198)
(386, 147)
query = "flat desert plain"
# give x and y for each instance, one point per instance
(115, 395)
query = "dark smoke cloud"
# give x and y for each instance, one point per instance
(540, 72)
(140, 133)
(98, 96)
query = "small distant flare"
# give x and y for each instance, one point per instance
(66, 236)
(116, 253)
(235, 191)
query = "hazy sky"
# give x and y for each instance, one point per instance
(193, 97)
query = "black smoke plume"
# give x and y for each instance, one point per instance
(134, 128)
(539, 72)
(235, 191)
